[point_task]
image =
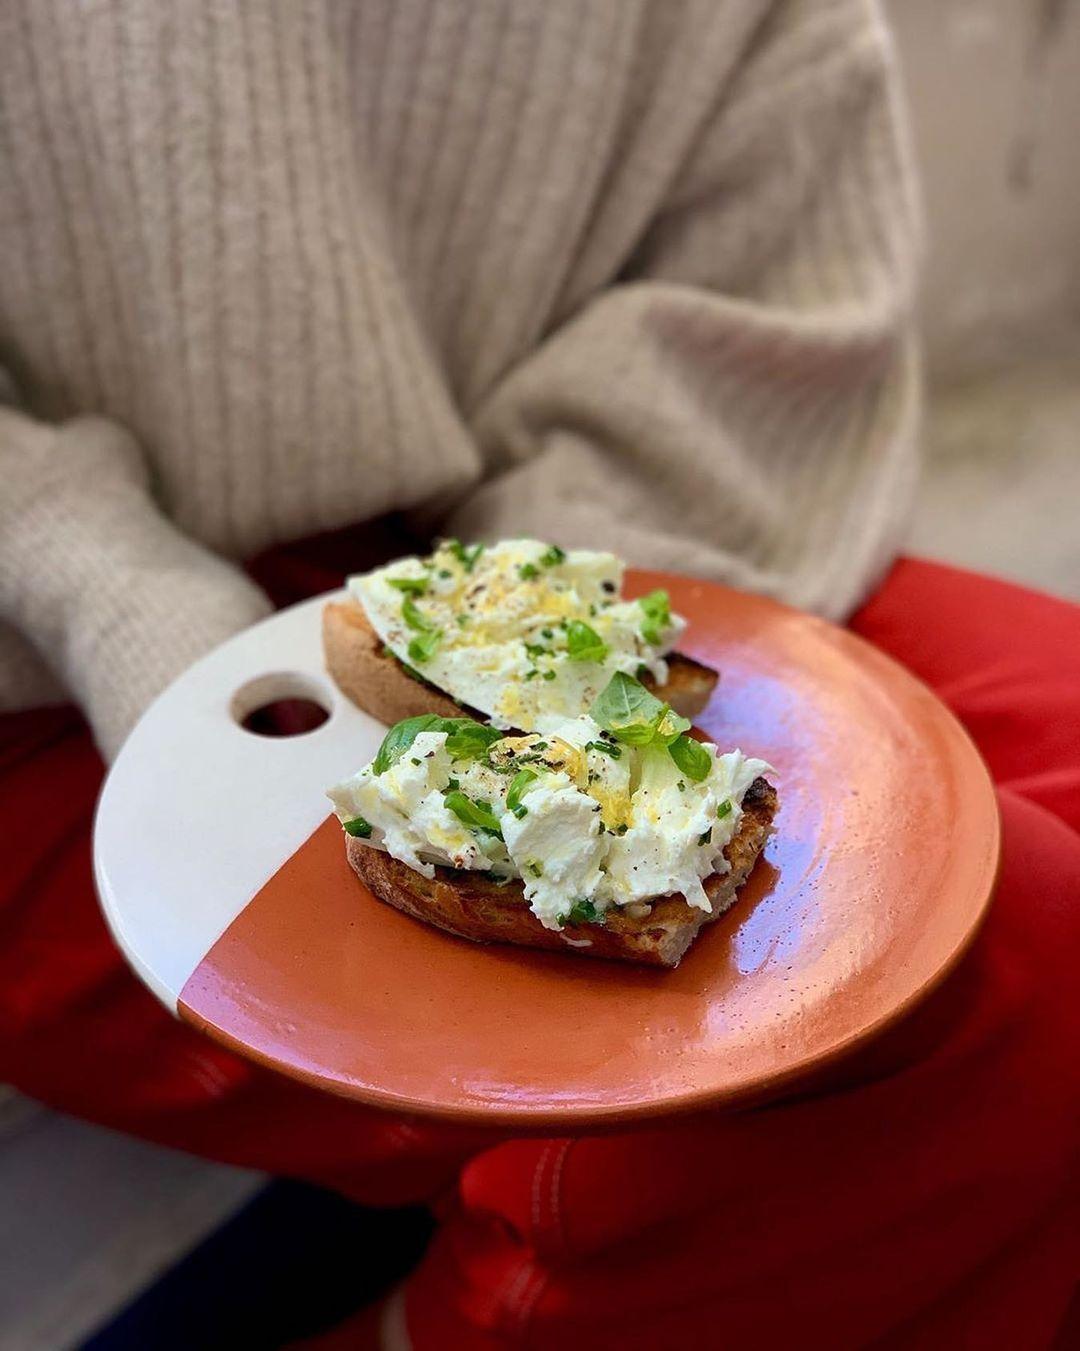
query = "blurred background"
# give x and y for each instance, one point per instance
(994, 91)
(89, 1219)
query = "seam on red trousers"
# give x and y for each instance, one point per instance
(548, 1237)
(549, 1234)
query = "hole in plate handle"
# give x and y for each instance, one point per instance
(281, 704)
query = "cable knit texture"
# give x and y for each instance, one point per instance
(632, 273)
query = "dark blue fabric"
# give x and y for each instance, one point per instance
(291, 1263)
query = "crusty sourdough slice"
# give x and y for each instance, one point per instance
(379, 684)
(471, 906)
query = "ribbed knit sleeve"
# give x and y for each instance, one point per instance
(743, 405)
(96, 577)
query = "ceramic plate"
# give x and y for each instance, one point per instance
(227, 887)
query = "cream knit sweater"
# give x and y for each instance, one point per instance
(624, 273)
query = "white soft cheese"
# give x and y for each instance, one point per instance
(592, 829)
(557, 849)
(676, 838)
(493, 633)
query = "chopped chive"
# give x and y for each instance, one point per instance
(605, 749)
(583, 911)
(357, 827)
(528, 571)
(724, 809)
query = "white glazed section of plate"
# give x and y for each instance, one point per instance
(197, 813)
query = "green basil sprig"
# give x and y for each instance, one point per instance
(466, 739)
(635, 716)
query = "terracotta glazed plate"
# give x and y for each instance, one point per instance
(228, 889)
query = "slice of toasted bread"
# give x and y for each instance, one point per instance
(380, 685)
(471, 906)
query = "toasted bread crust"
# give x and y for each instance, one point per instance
(369, 677)
(378, 684)
(471, 906)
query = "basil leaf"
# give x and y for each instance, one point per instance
(469, 740)
(672, 725)
(691, 757)
(520, 782)
(423, 647)
(475, 815)
(357, 827)
(656, 607)
(626, 709)
(412, 586)
(400, 737)
(584, 643)
(553, 556)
